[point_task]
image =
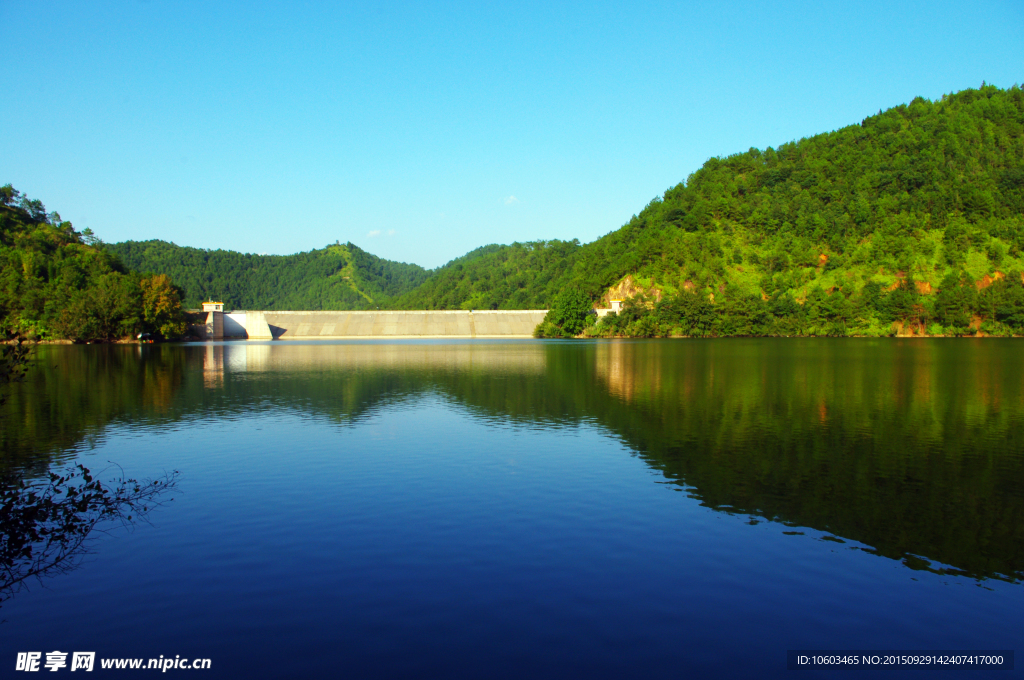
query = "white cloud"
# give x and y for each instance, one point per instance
(511, 200)
(391, 232)
(373, 234)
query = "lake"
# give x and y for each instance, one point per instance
(512, 509)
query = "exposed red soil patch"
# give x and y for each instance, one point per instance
(986, 281)
(627, 288)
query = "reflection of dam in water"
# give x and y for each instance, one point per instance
(376, 324)
(245, 357)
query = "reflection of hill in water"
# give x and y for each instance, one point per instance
(910, 447)
(345, 382)
(72, 393)
(906, 446)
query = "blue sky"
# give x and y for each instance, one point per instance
(420, 131)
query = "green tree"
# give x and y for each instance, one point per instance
(955, 302)
(161, 306)
(9, 195)
(570, 312)
(13, 362)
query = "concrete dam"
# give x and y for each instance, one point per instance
(266, 325)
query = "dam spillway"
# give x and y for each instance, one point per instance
(284, 325)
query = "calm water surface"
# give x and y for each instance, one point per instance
(534, 509)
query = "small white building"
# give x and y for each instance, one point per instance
(616, 306)
(214, 320)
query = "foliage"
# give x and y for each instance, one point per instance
(161, 305)
(33, 208)
(958, 308)
(47, 524)
(13, 358)
(895, 225)
(517, 276)
(568, 316)
(55, 284)
(335, 277)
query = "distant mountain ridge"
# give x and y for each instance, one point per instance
(340, 276)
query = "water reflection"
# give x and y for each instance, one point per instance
(48, 523)
(213, 367)
(72, 393)
(910, 447)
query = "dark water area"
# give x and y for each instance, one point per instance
(532, 509)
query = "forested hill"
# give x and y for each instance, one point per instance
(917, 189)
(911, 221)
(335, 277)
(55, 283)
(518, 276)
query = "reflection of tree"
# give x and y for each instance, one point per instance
(13, 358)
(47, 525)
(75, 393)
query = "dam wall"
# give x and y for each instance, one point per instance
(264, 325)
